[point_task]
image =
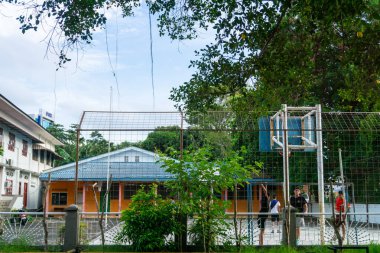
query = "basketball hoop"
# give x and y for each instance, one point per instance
(282, 154)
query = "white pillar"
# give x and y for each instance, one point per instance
(3, 177)
(321, 185)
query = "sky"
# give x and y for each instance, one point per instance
(29, 78)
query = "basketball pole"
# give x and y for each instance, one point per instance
(321, 185)
(285, 150)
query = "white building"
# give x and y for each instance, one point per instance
(27, 150)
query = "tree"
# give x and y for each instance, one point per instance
(68, 137)
(197, 179)
(93, 146)
(296, 52)
(96, 145)
(164, 139)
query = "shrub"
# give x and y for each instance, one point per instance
(149, 221)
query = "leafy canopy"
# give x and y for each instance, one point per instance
(291, 51)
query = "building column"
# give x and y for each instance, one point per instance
(16, 183)
(28, 190)
(3, 178)
(120, 194)
(47, 200)
(84, 196)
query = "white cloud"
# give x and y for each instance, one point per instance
(30, 81)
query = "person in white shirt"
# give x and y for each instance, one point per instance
(275, 207)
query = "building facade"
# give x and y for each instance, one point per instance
(131, 168)
(27, 149)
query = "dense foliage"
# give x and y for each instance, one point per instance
(148, 222)
(265, 52)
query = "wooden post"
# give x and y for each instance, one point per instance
(120, 195)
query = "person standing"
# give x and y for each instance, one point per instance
(340, 216)
(264, 209)
(299, 202)
(275, 210)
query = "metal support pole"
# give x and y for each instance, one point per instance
(76, 169)
(181, 137)
(249, 209)
(321, 185)
(285, 152)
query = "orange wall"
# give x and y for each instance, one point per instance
(243, 204)
(90, 204)
(64, 187)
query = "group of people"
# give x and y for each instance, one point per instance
(297, 201)
(273, 207)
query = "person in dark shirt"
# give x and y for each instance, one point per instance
(264, 209)
(299, 202)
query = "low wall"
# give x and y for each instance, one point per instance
(358, 208)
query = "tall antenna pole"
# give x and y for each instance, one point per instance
(109, 150)
(151, 60)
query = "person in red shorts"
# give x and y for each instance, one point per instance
(340, 215)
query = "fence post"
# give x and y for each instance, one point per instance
(71, 228)
(291, 240)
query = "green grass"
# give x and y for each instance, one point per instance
(22, 247)
(373, 248)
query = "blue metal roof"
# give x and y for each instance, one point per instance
(121, 171)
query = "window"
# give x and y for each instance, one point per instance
(8, 187)
(130, 190)
(126, 159)
(137, 159)
(24, 148)
(52, 160)
(48, 158)
(35, 155)
(163, 191)
(12, 142)
(59, 198)
(1, 137)
(114, 191)
(241, 193)
(42, 156)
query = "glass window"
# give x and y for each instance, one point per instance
(8, 187)
(24, 148)
(48, 158)
(114, 191)
(137, 159)
(241, 193)
(12, 142)
(126, 158)
(42, 156)
(163, 191)
(130, 190)
(35, 155)
(59, 198)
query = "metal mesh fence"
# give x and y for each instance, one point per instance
(358, 231)
(127, 146)
(356, 134)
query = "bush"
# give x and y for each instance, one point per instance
(148, 222)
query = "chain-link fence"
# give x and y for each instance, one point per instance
(127, 146)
